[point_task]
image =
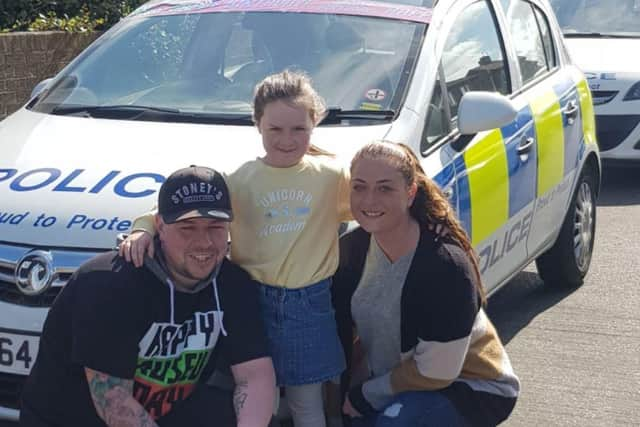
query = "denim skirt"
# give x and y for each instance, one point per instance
(302, 333)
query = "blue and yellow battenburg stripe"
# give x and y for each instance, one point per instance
(488, 175)
(586, 109)
(493, 184)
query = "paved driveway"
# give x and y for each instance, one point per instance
(578, 352)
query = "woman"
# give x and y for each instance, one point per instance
(432, 357)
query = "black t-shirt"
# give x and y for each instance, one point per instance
(114, 318)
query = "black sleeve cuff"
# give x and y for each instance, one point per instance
(359, 402)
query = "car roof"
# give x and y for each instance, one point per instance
(378, 9)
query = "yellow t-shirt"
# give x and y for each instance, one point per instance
(285, 227)
(285, 220)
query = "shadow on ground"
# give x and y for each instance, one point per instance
(620, 186)
(514, 306)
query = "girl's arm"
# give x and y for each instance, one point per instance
(344, 191)
(140, 241)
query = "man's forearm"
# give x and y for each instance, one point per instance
(254, 394)
(114, 402)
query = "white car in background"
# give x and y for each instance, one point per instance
(603, 38)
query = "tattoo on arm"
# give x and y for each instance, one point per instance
(240, 395)
(114, 402)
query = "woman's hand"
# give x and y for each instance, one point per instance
(348, 409)
(135, 246)
(440, 230)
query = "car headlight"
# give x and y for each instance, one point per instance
(634, 93)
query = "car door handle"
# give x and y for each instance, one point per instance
(571, 111)
(448, 192)
(525, 145)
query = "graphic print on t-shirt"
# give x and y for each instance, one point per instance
(285, 210)
(171, 359)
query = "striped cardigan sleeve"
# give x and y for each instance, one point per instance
(442, 312)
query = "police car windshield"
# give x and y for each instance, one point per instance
(201, 64)
(598, 18)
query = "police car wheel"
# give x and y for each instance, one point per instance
(568, 260)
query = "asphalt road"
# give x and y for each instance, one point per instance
(577, 352)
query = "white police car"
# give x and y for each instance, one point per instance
(603, 37)
(483, 91)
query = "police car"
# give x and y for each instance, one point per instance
(603, 36)
(483, 91)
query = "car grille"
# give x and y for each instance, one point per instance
(603, 96)
(64, 264)
(9, 293)
(10, 390)
(612, 130)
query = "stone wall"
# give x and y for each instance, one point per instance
(28, 58)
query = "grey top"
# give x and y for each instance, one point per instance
(375, 307)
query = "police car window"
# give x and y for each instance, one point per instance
(155, 55)
(620, 18)
(438, 123)
(204, 66)
(547, 39)
(239, 50)
(527, 40)
(505, 5)
(473, 58)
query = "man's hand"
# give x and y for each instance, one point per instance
(348, 409)
(135, 246)
(254, 395)
(114, 402)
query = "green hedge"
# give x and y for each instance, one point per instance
(68, 15)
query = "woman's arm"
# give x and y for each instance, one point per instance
(432, 366)
(444, 324)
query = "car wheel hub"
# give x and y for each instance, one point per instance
(583, 227)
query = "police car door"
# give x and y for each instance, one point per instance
(495, 171)
(553, 102)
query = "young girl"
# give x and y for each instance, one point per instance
(287, 207)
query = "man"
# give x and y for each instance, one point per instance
(123, 346)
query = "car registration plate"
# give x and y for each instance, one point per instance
(17, 352)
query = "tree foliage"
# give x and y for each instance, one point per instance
(66, 15)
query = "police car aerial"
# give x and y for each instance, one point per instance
(603, 37)
(483, 91)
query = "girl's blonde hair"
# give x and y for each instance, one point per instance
(430, 206)
(292, 87)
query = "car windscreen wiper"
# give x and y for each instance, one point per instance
(337, 115)
(101, 110)
(148, 113)
(595, 35)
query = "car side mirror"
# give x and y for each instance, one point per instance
(39, 87)
(482, 111)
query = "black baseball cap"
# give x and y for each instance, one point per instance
(194, 192)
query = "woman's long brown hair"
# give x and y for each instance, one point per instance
(430, 206)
